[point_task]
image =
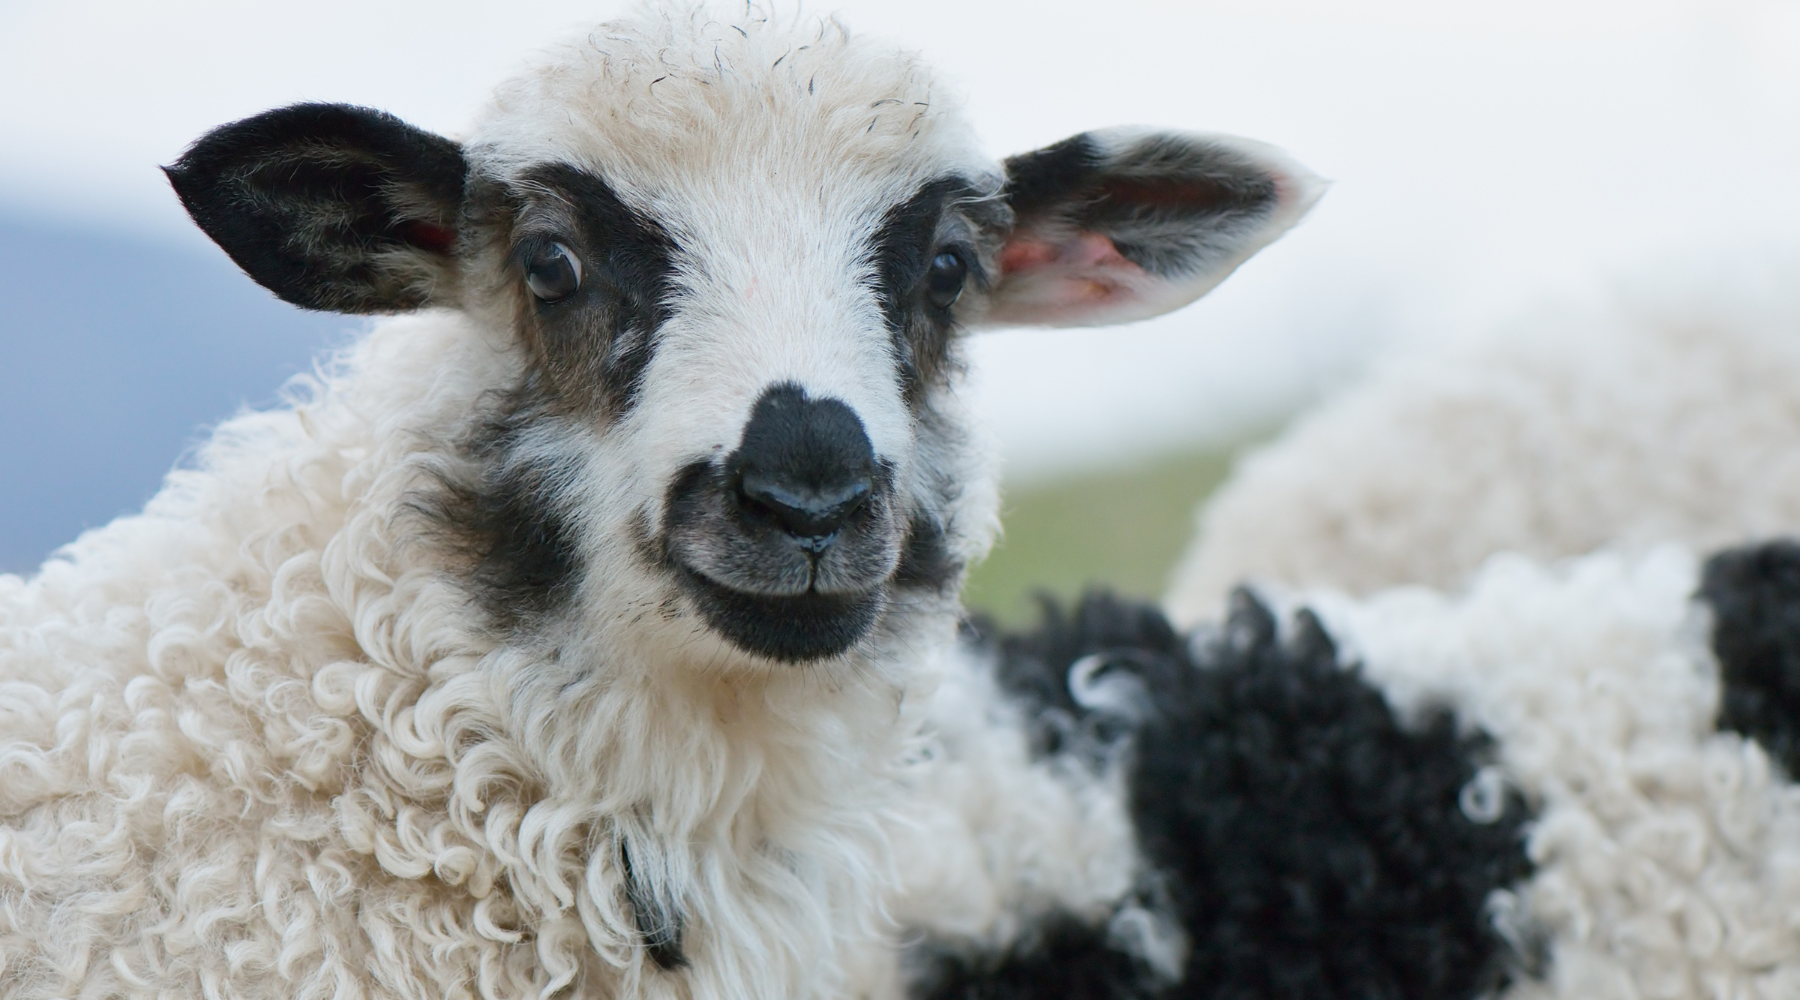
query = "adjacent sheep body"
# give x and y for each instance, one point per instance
(1569, 781)
(1663, 845)
(592, 630)
(1503, 530)
(1663, 415)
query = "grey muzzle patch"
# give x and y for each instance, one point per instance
(787, 545)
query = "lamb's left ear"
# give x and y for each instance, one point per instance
(1125, 224)
(330, 206)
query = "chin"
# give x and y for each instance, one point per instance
(797, 628)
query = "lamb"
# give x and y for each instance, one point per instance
(589, 628)
(1563, 781)
(1662, 416)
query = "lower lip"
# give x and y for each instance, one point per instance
(793, 629)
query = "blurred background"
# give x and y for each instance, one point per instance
(1484, 157)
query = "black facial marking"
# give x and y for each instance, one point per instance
(797, 629)
(594, 319)
(926, 562)
(915, 297)
(520, 548)
(1308, 842)
(660, 926)
(1172, 205)
(330, 206)
(1755, 597)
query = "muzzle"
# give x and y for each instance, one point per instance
(787, 544)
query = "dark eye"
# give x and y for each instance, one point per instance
(944, 284)
(552, 272)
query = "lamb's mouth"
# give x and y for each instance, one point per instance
(792, 628)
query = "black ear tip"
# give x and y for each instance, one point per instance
(187, 187)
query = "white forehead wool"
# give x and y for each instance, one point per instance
(674, 100)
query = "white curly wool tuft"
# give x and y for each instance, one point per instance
(1667, 853)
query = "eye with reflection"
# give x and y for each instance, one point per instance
(552, 272)
(944, 282)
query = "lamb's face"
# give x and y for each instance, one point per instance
(734, 261)
(739, 303)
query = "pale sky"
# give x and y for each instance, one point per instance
(1484, 155)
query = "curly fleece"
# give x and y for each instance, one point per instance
(1666, 851)
(1666, 415)
(491, 666)
(1328, 830)
(1307, 841)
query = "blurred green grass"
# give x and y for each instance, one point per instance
(1122, 528)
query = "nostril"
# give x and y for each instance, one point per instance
(806, 512)
(804, 466)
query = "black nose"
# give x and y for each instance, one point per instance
(805, 464)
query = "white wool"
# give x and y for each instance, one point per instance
(1663, 414)
(1667, 854)
(253, 747)
(981, 866)
(255, 742)
(278, 736)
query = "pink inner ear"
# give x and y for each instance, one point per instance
(1053, 279)
(1084, 252)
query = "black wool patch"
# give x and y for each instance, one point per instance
(1033, 667)
(1064, 960)
(1313, 845)
(1755, 597)
(1310, 844)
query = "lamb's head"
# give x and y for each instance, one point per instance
(733, 260)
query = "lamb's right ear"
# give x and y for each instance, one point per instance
(330, 206)
(1127, 223)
